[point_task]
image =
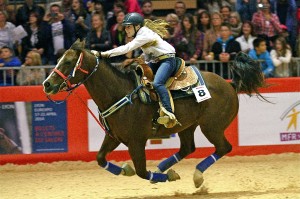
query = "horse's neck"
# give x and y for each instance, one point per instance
(108, 85)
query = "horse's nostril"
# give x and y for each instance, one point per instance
(46, 84)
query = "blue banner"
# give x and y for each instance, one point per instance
(49, 127)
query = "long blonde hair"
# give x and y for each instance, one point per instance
(158, 26)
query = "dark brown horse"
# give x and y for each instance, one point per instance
(132, 123)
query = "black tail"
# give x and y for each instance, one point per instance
(247, 75)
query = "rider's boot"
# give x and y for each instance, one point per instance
(167, 117)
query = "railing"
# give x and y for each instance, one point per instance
(213, 66)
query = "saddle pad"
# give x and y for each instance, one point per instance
(190, 79)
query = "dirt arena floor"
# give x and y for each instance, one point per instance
(255, 177)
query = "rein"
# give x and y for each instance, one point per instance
(66, 79)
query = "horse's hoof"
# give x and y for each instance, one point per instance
(128, 170)
(198, 178)
(172, 175)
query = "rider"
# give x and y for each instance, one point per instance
(158, 53)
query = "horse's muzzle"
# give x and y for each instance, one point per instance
(50, 89)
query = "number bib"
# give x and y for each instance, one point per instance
(201, 93)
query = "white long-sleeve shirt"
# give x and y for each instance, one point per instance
(144, 36)
(246, 45)
(281, 63)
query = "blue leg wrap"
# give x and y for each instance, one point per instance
(166, 164)
(114, 169)
(157, 177)
(207, 162)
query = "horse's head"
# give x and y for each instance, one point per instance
(71, 69)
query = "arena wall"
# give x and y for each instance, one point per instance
(260, 128)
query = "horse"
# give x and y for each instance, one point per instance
(132, 124)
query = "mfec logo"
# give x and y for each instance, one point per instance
(291, 114)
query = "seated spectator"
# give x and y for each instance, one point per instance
(266, 24)
(98, 38)
(147, 10)
(286, 10)
(203, 21)
(225, 49)
(235, 23)
(37, 37)
(211, 35)
(118, 6)
(188, 42)
(174, 26)
(7, 59)
(246, 37)
(132, 6)
(62, 33)
(260, 53)
(23, 12)
(281, 57)
(180, 9)
(27, 76)
(80, 18)
(225, 10)
(118, 36)
(246, 9)
(6, 31)
(11, 15)
(212, 5)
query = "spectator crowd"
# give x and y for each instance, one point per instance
(267, 30)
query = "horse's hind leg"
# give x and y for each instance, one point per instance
(187, 146)
(218, 139)
(108, 146)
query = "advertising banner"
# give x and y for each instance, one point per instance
(262, 123)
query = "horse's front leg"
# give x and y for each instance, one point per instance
(137, 153)
(108, 145)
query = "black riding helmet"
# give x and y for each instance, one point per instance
(134, 19)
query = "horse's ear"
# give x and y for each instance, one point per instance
(75, 44)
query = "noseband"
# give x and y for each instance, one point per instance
(78, 66)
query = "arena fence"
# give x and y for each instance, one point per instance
(212, 66)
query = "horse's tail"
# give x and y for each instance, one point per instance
(247, 75)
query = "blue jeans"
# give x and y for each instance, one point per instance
(163, 70)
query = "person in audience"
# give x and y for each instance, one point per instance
(225, 49)
(211, 35)
(188, 42)
(23, 12)
(62, 33)
(174, 26)
(37, 37)
(27, 76)
(225, 11)
(95, 6)
(11, 15)
(266, 24)
(66, 6)
(147, 10)
(98, 38)
(286, 10)
(118, 6)
(210, 5)
(246, 9)
(203, 21)
(260, 53)
(6, 31)
(81, 19)
(132, 6)
(180, 9)
(7, 59)
(247, 36)
(118, 36)
(281, 56)
(235, 23)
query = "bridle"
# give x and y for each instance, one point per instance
(70, 87)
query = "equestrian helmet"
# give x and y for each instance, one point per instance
(133, 18)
